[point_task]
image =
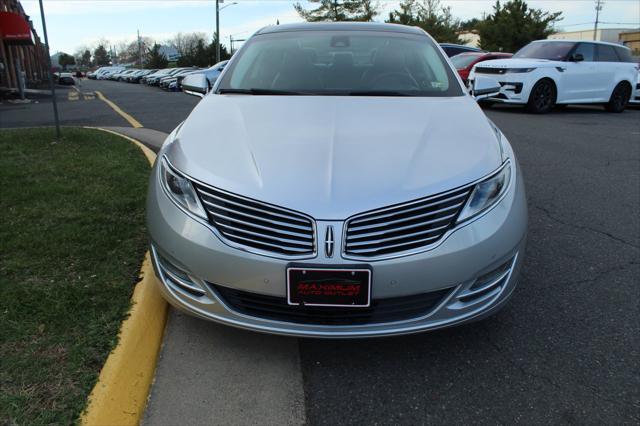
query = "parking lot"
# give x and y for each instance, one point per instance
(565, 350)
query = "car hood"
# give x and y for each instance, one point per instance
(335, 156)
(519, 63)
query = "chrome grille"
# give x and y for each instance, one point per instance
(404, 227)
(257, 225)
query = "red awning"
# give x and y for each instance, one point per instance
(14, 28)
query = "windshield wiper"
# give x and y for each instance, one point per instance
(259, 92)
(378, 93)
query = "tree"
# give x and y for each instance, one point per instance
(339, 10)
(100, 56)
(156, 59)
(85, 59)
(65, 60)
(185, 43)
(515, 25)
(431, 16)
(471, 24)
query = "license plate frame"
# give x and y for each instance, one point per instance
(344, 280)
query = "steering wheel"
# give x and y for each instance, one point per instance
(401, 79)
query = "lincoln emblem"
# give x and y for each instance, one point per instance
(328, 242)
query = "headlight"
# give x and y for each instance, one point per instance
(518, 70)
(486, 193)
(180, 189)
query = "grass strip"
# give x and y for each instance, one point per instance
(72, 239)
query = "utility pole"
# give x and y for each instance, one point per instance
(218, 31)
(53, 89)
(599, 4)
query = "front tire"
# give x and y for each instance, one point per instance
(542, 98)
(619, 98)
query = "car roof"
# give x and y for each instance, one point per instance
(558, 40)
(340, 26)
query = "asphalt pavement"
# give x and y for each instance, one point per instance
(565, 350)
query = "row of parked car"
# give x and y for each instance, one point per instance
(543, 75)
(166, 78)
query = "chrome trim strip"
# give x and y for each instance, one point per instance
(396, 237)
(405, 219)
(401, 210)
(302, 250)
(402, 228)
(308, 236)
(235, 212)
(268, 237)
(224, 200)
(232, 219)
(456, 226)
(223, 239)
(470, 293)
(361, 251)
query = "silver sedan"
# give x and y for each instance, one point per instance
(337, 181)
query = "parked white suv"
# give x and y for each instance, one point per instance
(549, 72)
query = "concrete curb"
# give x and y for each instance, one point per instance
(120, 395)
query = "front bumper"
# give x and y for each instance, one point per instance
(486, 244)
(514, 88)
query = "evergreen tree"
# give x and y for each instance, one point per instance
(431, 16)
(85, 59)
(515, 25)
(156, 59)
(100, 56)
(339, 10)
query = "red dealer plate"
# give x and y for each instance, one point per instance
(329, 287)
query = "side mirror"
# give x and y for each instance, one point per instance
(195, 84)
(484, 87)
(577, 57)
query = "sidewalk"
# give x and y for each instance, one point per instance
(218, 375)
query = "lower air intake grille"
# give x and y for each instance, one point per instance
(257, 225)
(380, 311)
(404, 227)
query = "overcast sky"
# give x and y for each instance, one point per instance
(75, 23)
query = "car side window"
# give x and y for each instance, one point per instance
(587, 50)
(624, 54)
(452, 51)
(606, 53)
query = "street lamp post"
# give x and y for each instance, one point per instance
(51, 85)
(218, 9)
(218, 31)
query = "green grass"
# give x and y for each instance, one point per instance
(72, 240)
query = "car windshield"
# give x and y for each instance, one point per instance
(463, 60)
(554, 51)
(340, 63)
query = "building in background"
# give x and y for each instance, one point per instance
(612, 35)
(470, 38)
(21, 51)
(169, 52)
(631, 39)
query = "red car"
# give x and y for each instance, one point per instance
(465, 61)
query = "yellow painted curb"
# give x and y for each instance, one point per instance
(120, 395)
(134, 123)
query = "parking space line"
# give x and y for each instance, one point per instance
(134, 123)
